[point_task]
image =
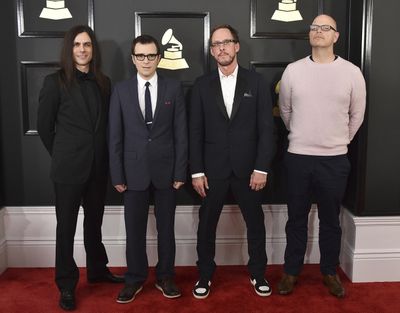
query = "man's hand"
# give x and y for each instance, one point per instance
(120, 188)
(177, 184)
(200, 184)
(258, 181)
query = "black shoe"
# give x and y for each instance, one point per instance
(107, 278)
(128, 293)
(261, 286)
(168, 288)
(67, 300)
(202, 289)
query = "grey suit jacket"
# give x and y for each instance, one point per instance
(138, 156)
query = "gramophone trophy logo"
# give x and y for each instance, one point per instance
(287, 12)
(55, 10)
(172, 59)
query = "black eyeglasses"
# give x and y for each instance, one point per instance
(324, 28)
(141, 56)
(223, 43)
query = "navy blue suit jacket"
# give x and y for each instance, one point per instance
(139, 156)
(219, 145)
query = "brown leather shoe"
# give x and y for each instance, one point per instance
(286, 285)
(334, 285)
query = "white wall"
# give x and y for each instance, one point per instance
(370, 245)
(3, 251)
(30, 236)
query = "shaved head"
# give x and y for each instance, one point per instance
(324, 19)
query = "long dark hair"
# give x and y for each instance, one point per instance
(67, 60)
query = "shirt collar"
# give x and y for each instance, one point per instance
(233, 75)
(152, 81)
(82, 75)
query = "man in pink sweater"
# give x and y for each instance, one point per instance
(322, 103)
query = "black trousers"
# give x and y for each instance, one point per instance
(325, 178)
(69, 197)
(249, 202)
(136, 215)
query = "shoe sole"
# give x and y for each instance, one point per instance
(200, 297)
(285, 293)
(165, 295)
(131, 299)
(65, 308)
(266, 294)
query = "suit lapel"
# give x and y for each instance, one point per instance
(241, 86)
(100, 112)
(217, 91)
(102, 108)
(161, 86)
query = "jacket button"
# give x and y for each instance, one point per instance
(149, 139)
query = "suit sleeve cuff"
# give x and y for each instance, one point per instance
(197, 175)
(262, 172)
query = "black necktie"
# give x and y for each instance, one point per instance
(148, 114)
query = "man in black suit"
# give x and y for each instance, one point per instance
(148, 154)
(72, 121)
(230, 147)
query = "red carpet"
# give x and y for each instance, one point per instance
(33, 291)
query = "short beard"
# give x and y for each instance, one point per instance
(227, 62)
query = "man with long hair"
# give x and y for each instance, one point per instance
(72, 122)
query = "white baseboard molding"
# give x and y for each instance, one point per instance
(370, 245)
(3, 243)
(371, 248)
(30, 236)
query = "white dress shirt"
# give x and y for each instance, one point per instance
(228, 86)
(142, 90)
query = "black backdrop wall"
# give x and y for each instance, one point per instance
(266, 46)
(374, 187)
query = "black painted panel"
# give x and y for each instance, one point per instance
(24, 160)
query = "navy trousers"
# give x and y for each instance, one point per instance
(136, 215)
(325, 179)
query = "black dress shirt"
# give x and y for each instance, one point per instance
(90, 92)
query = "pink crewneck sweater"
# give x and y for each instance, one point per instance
(322, 105)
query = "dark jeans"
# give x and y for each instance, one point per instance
(325, 178)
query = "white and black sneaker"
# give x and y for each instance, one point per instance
(261, 286)
(202, 289)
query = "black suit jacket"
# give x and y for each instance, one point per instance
(65, 127)
(219, 145)
(139, 156)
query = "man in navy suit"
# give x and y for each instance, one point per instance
(230, 147)
(148, 154)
